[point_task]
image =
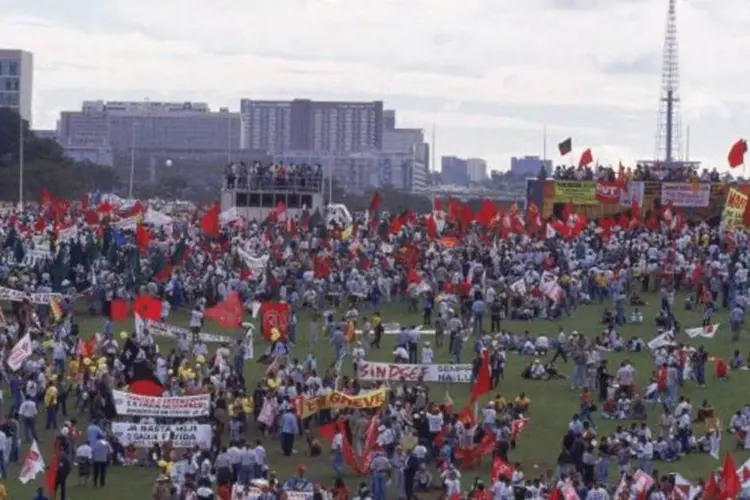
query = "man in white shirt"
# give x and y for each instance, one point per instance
(27, 413)
(337, 454)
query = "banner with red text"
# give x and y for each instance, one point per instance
(733, 216)
(136, 405)
(608, 192)
(447, 374)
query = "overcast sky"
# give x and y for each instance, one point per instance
(488, 74)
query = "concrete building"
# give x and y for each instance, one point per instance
(17, 81)
(476, 170)
(389, 119)
(454, 170)
(305, 125)
(123, 126)
(529, 166)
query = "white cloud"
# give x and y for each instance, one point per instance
(583, 62)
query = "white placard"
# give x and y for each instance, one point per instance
(180, 435)
(149, 406)
(440, 373)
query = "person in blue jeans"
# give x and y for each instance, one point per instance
(380, 465)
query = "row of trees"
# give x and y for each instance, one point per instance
(45, 165)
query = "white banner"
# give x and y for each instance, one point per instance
(447, 374)
(240, 492)
(703, 331)
(685, 194)
(35, 298)
(129, 224)
(633, 191)
(395, 329)
(255, 264)
(173, 331)
(20, 352)
(179, 435)
(173, 407)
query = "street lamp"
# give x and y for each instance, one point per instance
(132, 160)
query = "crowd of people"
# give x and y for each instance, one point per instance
(280, 176)
(465, 278)
(639, 173)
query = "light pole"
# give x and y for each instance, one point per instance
(20, 159)
(132, 160)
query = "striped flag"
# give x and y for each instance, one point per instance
(56, 309)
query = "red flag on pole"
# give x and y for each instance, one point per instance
(210, 221)
(736, 156)
(586, 158)
(227, 313)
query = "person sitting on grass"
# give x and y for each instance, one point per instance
(535, 371)
(736, 362)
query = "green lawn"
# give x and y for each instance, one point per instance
(553, 403)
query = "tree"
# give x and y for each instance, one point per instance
(45, 165)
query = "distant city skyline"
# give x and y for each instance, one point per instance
(489, 92)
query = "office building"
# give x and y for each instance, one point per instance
(305, 125)
(17, 81)
(476, 169)
(529, 166)
(389, 119)
(147, 125)
(454, 170)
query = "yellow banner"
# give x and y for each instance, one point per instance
(733, 216)
(307, 407)
(576, 192)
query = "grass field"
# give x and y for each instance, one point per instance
(553, 402)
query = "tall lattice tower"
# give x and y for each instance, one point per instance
(668, 129)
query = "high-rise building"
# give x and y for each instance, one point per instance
(476, 169)
(305, 125)
(529, 166)
(147, 125)
(389, 119)
(16, 81)
(454, 170)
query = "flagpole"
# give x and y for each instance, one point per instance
(20, 159)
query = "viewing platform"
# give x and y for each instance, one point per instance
(255, 196)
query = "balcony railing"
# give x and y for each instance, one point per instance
(312, 183)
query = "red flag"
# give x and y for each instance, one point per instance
(730, 482)
(87, 348)
(50, 478)
(144, 382)
(482, 384)
(142, 238)
(47, 198)
(119, 309)
(210, 222)
(277, 212)
(500, 468)
(586, 158)
(147, 307)
(555, 494)
(413, 277)
(432, 229)
(375, 202)
(227, 313)
(275, 315)
(437, 205)
(487, 213)
(635, 209)
(736, 154)
(711, 490)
